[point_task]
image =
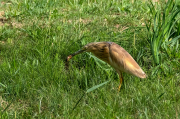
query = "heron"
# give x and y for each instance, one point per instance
(115, 56)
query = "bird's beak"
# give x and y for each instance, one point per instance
(78, 52)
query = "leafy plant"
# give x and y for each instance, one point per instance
(163, 31)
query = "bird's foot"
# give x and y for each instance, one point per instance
(119, 88)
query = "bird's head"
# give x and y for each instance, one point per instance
(87, 48)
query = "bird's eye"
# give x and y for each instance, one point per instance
(84, 48)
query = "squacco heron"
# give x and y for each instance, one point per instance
(114, 55)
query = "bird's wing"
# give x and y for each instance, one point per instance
(123, 61)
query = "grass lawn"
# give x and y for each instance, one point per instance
(36, 81)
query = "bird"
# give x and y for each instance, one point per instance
(116, 56)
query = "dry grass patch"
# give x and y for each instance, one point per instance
(4, 104)
(10, 106)
(8, 21)
(83, 21)
(16, 24)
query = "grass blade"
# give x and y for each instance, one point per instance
(97, 86)
(89, 90)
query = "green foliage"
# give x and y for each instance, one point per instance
(37, 82)
(164, 30)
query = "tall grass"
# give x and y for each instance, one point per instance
(163, 30)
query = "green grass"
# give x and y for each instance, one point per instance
(36, 82)
(164, 33)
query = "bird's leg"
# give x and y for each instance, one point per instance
(121, 80)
